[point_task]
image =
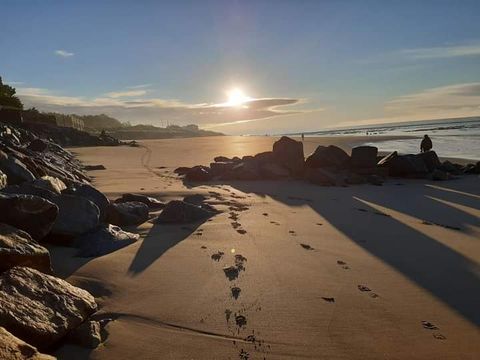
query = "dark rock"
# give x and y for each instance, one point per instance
(87, 335)
(323, 177)
(104, 240)
(195, 199)
(90, 193)
(50, 183)
(449, 167)
(219, 168)
(12, 348)
(404, 165)
(38, 145)
(3, 180)
(127, 213)
(17, 248)
(438, 174)
(182, 170)
(30, 189)
(94, 167)
(430, 160)
(289, 153)
(32, 214)
(355, 179)
(199, 173)
(222, 159)
(263, 158)
(328, 157)
(152, 203)
(472, 168)
(386, 160)
(273, 171)
(242, 171)
(364, 157)
(15, 170)
(375, 179)
(41, 309)
(76, 216)
(178, 211)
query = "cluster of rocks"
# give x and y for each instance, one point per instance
(327, 165)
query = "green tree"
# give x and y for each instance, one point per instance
(7, 96)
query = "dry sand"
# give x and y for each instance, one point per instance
(309, 252)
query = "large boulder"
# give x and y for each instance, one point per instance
(87, 335)
(273, 171)
(12, 348)
(152, 203)
(430, 160)
(27, 188)
(289, 153)
(104, 240)
(246, 170)
(179, 212)
(404, 165)
(17, 248)
(3, 180)
(32, 214)
(50, 183)
(90, 193)
(364, 157)
(328, 157)
(127, 213)
(77, 215)
(15, 170)
(38, 145)
(198, 173)
(41, 309)
(219, 168)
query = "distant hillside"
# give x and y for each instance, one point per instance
(137, 132)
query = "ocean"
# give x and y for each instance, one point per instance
(455, 138)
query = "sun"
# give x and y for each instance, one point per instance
(236, 97)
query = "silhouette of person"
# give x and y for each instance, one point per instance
(303, 137)
(426, 144)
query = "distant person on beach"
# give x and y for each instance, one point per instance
(426, 144)
(303, 137)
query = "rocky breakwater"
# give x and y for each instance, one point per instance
(326, 166)
(46, 197)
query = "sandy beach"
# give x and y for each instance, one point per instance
(358, 272)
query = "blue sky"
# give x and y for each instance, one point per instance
(334, 63)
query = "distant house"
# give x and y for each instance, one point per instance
(71, 121)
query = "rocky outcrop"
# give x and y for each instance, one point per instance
(404, 165)
(127, 213)
(15, 170)
(198, 173)
(50, 183)
(328, 157)
(12, 348)
(41, 309)
(87, 335)
(364, 157)
(179, 212)
(289, 153)
(430, 159)
(17, 248)
(104, 240)
(32, 214)
(88, 192)
(152, 203)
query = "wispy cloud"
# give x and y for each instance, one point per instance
(130, 93)
(13, 82)
(64, 53)
(441, 52)
(154, 110)
(141, 86)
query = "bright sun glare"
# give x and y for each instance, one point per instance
(237, 97)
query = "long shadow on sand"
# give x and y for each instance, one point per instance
(448, 275)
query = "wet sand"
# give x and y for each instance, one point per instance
(288, 270)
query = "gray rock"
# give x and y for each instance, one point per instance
(289, 153)
(364, 157)
(90, 193)
(50, 183)
(41, 309)
(32, 214)
(430, 160)
(152, 203)
(404, 165)
(17, 248)
(87, 335)
(104, 240)
(328, 157)
(178, 211)
(12, 348)
(76, 216)
(127, 213)
(15, 170)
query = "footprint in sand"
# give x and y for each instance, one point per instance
(228, 313)
(343, 264)
(203, 247)
(428, 325)
(265, 214)
(319, 224)
(292, 232)
(243, 355)
(382, 214)
(235, 224)
(367, 289)
(242, 231)
(217, 256)
(329, 299)
(240, 320)
(274, 222)
(240, 261)
(235, 292)
(439, 336)
(362, 210)
(231, 272)
(307, 247)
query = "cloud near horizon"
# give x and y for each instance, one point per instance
(130, 106)
(64, 53)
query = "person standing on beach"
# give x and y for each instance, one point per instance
(303, 137)
(426, 144)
